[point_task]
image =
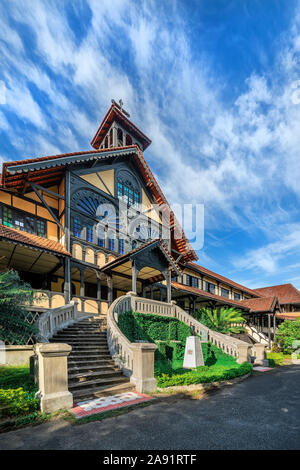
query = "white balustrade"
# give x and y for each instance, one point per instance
(56, 319)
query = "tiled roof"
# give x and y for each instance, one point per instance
(202, 270)
(208, 295)
(286, 293)
(260, 304)
(288, 315)
(24, 238)
(121, 259)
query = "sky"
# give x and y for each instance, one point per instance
(215, 84)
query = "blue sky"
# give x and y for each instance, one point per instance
(210, 82)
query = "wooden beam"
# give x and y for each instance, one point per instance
(47, 207)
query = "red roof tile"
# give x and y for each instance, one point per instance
(261, 304)
(24, 238)
(288, 315)
(202, 270)
(208, 295)
(286, 293)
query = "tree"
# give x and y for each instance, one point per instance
(287, 332)
(221, 319)
(15, 295)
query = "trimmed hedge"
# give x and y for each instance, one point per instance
(204, 374)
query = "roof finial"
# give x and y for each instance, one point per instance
(120, 106)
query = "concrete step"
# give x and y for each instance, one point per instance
(82, 357)
(104, 391)
(88, 362)
(92, 376)
(80, 342)
(98, 383)
(79, 369)
(88, 349)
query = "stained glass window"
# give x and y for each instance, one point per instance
(89, 233)
(111, 244)
(121, 247)
(77, 227)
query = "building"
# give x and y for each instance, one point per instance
(90, 226)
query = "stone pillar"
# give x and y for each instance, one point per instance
(244, 353)
(260, 355)
(53, 376)
(143, 367)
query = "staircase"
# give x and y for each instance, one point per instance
(91, 371)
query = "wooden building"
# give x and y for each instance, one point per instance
(92, 225)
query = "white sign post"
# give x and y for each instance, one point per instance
(193, 356)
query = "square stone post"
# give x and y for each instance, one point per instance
(53, 376)
(244, 353)
(143, 367)
(260, 355)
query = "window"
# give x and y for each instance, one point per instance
(237, 296)
(127, 190)
(224, 292)
(133, 245)
(121, 246)
(18, 222)
(41, 228)
(101, 239)
(89, 233)
(111, 244)
(192, 281)
(7, 217)
(77, 227)
(175, 278)
(29, 225)
(210, 287)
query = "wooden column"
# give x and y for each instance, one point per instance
(81, 283)
(169, 288)
(110, 289)
(134, 277)
(269, 330)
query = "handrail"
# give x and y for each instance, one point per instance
(56, 319)
(131, 302)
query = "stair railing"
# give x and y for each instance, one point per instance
(51, 321)
(235, 347)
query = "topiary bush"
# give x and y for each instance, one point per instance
(287, 332)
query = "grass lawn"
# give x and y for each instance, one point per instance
(278, 358)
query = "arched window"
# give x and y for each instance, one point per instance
(88, 205)
(128, 189)
(89, 233)
(119, 137)
(106, 142)
(133, 244)
(77, 227)
(128, 139)
(111, 138)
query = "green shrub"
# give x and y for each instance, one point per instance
(287, 332)
(204, 374)
(15, 402)
(16, 376)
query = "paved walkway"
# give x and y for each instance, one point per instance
(263, 412)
